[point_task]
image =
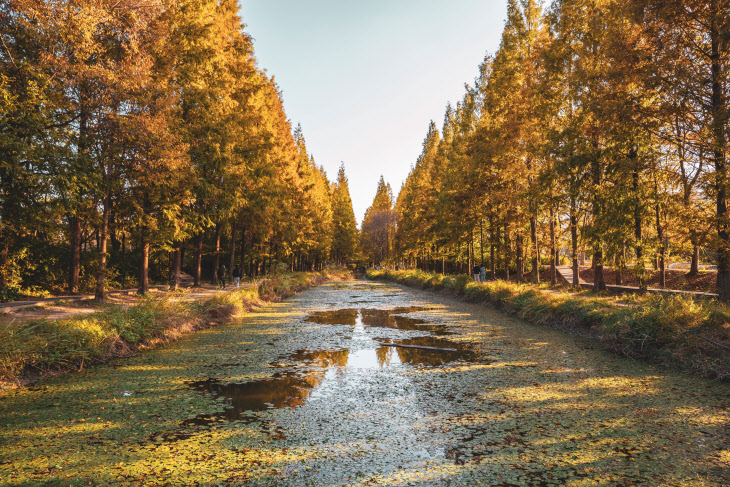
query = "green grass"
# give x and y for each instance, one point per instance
(661, 329)
(41, 345)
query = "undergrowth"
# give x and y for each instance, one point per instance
(671, 330)
(44, 346)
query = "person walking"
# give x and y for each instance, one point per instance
(483, 274)
(222, 271)
(237, 276)
(476, 272)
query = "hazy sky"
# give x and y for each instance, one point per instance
(364, 78)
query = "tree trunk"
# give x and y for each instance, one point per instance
(470, 253)
(695, 266)
(492, 249)
(481, 239)
(553, 271)
(116, 244)
(232, 260)
(719, 121)
(599, 282)
(176, 266)
(520, 254)
(75, 265)
(574, 241)
(103, 234)
(4, 256)
(662, 249)
(217, 254)
(144, 265)
(535, 250)
(144, 256)
(638, 222)
(243, 252)
(506, 251)
(662, 269)
(198, 258)
(76, 229)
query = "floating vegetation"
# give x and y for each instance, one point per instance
(329, 405)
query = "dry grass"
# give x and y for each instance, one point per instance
(670, 330)
(41, 343)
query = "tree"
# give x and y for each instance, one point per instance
(344, 226)
(378, 225)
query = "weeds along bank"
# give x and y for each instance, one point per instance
(669, 330)
(39, 347)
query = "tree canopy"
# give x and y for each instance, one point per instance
(598, 128)
(140, 140)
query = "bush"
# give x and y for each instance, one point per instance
(9, 293)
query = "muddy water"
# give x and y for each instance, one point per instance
(309, 392)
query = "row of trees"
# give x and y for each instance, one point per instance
(598, 125)
(138, 138)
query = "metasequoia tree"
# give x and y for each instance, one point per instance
(609, 114)
(378, 226)
(691, 40)
(344, 226)
(137, 128)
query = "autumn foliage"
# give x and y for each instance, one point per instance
(599, 128)
(139, 139)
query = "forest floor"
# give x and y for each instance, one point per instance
(307, 392)
(705, 281)
(58, 309)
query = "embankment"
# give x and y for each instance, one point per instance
(30, 350)
(673, 331)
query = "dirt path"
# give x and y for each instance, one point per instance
(61, 308)
(303, 393)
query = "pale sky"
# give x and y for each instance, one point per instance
(364, 78)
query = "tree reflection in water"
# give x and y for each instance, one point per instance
(292, 388)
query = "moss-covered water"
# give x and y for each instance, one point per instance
(305, 393)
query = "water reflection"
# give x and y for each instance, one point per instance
(380, 318)
(280, 391)
(373, 358)
(312, 368)
(319, 358)
(433, 358)
(246, 399)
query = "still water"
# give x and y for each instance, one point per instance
(303, 372)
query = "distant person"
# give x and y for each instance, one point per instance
(476, 272)
(483, 274)
(237, 276)
(222, 276)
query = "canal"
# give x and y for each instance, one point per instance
(365, 383)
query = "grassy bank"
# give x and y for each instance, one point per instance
(41, 347)
(670, 330)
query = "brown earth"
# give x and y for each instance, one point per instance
(705, 281)
(57, 310)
